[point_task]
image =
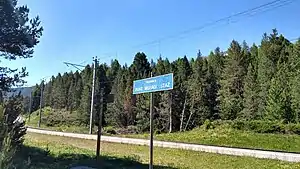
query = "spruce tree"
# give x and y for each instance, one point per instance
(85, 103)
(231, 92)
(251, 88)
(251, 91)
(59, 96)
(48, 98)
(116, 114)
(273, 48)
(36, 94)
(78, 90)
(182, 70)
(216, 60)
(196, 102)
(279, 101)
(211, 94)
(295, 79)
(102, 83)
(140, 66)
(140, 69)
(163, 117)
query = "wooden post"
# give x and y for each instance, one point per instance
(99, 125)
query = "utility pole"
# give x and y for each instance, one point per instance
(41, 104)
(30, 105)
(92, 99)
(100, 124)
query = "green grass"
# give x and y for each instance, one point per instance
(34, 118)
(228, 137)
(61, 152)
(220, 136)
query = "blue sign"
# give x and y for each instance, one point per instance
(153, 84)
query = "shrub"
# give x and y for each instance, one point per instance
(292, 128)
(207, 125)
(259, 126)
(109, 130)
(128, 130)
(60, 118)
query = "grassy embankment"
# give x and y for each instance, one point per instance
(219, 136)
(61, 152)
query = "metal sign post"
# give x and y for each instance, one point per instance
(150, 85)
(151, 131)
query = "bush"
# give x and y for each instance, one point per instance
(128, 130)
(207, 125)
(109, 130)
(292, 128)
(56, 118)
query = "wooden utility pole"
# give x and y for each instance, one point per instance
(92, 99)
(41, 104)
(100, 124)
(30, 105)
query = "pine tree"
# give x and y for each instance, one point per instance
(294, 80)
(251, 88)
(36, 94)
(273, 48)
(140, 66)
(163, 117)
(216, 61)
(85, 103)
(112, 72)
(231, 92)
(68, 88)
(102, 83)
(48, 92)
(182, 70)
(78, 90)
(196, 102)
(140, 69)
(116, 114)
(251, 91)
(19, 34)
(279, 100)
(211, 94)
(71, 95)
(59, 96)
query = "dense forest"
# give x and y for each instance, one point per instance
(256, 82)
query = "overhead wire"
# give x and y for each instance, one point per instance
(249, 12)
(226, 20)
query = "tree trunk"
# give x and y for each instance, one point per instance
(170, 114)
(182, 114)
(187, 123)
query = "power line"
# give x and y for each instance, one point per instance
(228, 19)
(252, 11)
(274, 6)
(73, 64)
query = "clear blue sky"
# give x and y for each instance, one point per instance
(75, 31)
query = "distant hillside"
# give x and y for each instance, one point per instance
(25, 91)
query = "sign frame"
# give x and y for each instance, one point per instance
(153, 84)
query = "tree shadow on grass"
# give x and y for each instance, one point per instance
(36, 158)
